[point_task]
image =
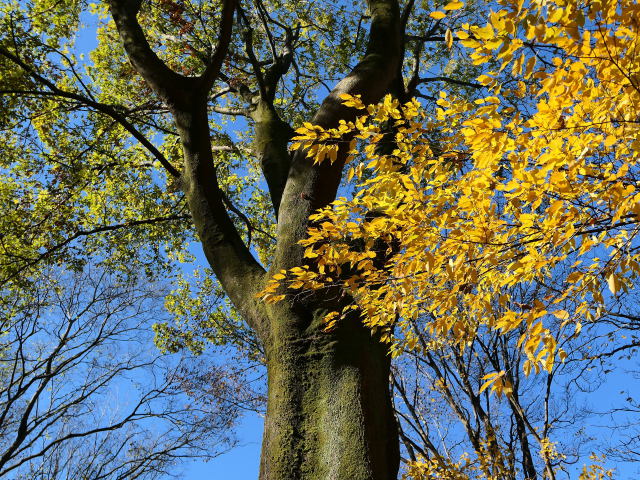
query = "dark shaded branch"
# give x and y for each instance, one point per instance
(272, 134)
(235, 267)
(248, 42)
(450, 80)
(309, 186)
(412, 84)
(282, 61)
(172, 87)
(406, 14)
(240, 214)
(224, 38)
(263, 14)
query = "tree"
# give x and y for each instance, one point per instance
(450, 427)
(83, 396)
(82, 136)
(327, 394)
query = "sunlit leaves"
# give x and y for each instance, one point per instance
(544, 195)
(497, 382)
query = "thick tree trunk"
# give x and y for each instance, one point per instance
(329, 412)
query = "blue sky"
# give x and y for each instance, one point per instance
(241, 463)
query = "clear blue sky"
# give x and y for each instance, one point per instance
(241, 463)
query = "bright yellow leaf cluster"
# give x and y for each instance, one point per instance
(542, 195)
(487, 465)
(595, 471)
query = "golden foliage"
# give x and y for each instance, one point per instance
(504, 196)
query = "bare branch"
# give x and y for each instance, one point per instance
(449, 80)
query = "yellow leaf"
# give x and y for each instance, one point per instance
(484, 79)
(454, 5)
(270, 299)
(517, 65)
(548, 363)
(437, 15)
(555, 206)
(485, 33)
(504, 388)
(562, 355)
(614, 283)
(529, 67)
(490, 378)
(486, 385)
(448, 37)
(556, 15)
(333, 154)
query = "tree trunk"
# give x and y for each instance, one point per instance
(329, 411)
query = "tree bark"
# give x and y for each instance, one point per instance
(329, 410)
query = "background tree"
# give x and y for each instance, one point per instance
(457, 428)
(83, 396)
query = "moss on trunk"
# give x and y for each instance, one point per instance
(329, 413)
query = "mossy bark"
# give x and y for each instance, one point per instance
(329, 411)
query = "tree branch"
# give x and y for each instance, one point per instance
(100, 107)
(309, 186)
(235, 267)
(171, 86)
(272, 134)
(224, 38)
(449, 80)
(231, 111)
